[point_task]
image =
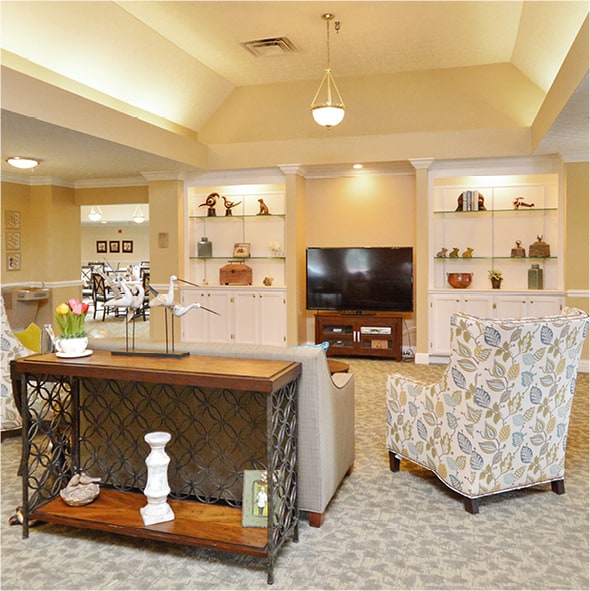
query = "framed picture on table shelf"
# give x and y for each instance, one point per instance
(255, 499)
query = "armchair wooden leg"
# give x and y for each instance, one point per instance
(471, 505)
(394, 462)
(558, 487)
(316, 519)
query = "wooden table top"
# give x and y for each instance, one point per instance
(259, 375)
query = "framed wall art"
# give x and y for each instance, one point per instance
(101, 246)
(13, 261)
(241, 250)
(127, 245)
(114, 246)
(12, 240)
(12, 220)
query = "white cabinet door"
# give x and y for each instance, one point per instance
(443, 305)
(527, 304)
(220, 324)
(246, 314)
(273, 317)
(203, 326)
(441, 309)
(194, 325)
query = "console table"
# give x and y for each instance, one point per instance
(225, 416)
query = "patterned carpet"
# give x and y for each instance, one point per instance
(382, 530)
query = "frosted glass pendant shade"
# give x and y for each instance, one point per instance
(327, 106)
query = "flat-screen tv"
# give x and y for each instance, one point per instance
(360, 279)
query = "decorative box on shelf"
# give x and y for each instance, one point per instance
(235, 273)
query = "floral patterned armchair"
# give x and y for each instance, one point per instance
(498, 418)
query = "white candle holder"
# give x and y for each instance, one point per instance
(157, 490)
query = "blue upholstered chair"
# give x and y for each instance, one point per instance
(498, 418)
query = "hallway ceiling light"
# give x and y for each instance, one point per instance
(138, 216)
(327, 106)
(23, 163)
(95, 214)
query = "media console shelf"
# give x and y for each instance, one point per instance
(225, 415)
(368, 335)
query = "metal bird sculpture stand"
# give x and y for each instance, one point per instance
(129, 295)
(166, 300)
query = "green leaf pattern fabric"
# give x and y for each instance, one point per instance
(498, 418)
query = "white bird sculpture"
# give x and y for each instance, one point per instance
(124, 300)
(164, 299)
(179, 310)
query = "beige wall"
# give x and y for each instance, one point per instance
(359, 211)
(577, 243)
(112, 195)
(50, 241)
(139, 234)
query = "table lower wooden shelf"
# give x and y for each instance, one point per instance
(196, 524)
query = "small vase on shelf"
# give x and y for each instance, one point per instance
(496, 283)
(535, 277)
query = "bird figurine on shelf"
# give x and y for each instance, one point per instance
(229, 204)
(454, 253)
(519, 202)
(210, 203)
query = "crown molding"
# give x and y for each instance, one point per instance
(105, 183)
(36, 181)
(165, 175)
(568, 157)
(421, 163)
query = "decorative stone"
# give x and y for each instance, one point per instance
(81, 490)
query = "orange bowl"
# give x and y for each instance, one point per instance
(459, 280)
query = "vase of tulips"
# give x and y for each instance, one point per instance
(71, 319)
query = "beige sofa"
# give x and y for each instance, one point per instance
(326, 414)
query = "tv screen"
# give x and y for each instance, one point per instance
(360, 279)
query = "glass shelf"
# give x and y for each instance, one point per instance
(509, 258)
(237, 260)
(490, 211)
(235, 217)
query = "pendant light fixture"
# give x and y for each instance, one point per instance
(138, 216)
(95, 214)
(327, 106)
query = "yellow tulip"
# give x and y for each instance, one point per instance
(62, 309)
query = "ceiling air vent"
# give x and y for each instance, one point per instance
(270, 47)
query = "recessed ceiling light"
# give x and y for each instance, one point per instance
(357, 166)
(24, 163)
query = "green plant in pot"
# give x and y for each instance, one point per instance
(496, 278)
